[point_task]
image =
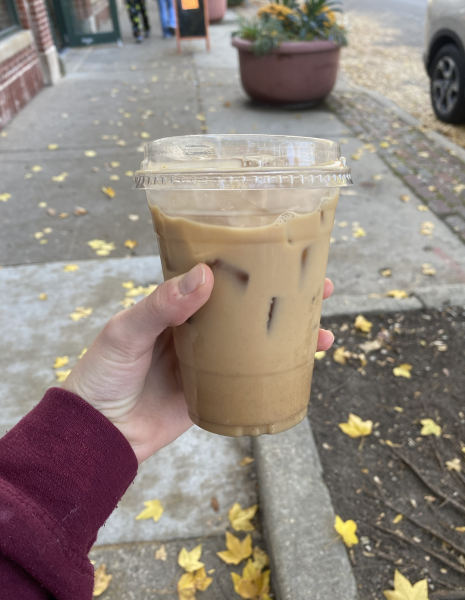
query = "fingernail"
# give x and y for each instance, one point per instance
(332, 334)
(192, 280)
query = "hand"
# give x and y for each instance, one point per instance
(131, 374)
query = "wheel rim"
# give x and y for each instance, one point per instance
(445, 85)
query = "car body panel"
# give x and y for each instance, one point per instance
(445, 23)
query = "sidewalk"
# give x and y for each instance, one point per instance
(109, 98)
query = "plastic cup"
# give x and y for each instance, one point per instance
(259, 211)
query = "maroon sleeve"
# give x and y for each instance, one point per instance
(63, 469)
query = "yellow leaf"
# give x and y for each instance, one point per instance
(404, 590)
(60, 178)
(114, 164)
(423, 154)
(320, 355)
(121, 143)
(403, 370)
(36, 168)
(145, 135)
(47, 230)
(160, 554)
(347, 531)
(201, 581)
(405, 198)
(38, 235)
(422, 207)
(43, 242)
(386, 273)
(83, 351)
(362, 324)
(237, 550)
(43, 296)
(128, 285)
(62, 375)
(398, 294)
(42, 204)
(129, 173)
(101, 581)
(454, 465)
(127, 302)
(186, 587)
(427, 269)
(427, 228)
(60, 361)
(260, 558)
(80, 313)
(130, 244)
(461, 529)
(70, 268)
(200, 117)
(355, 427)
(377, 177)
(154, 79)
(358, 232)
(190, 561)
(392, 445)
(240, 518)
(384, 144)
(153, 510)
(52, 146)
(114, 177)
(108, 191)
(5, 197)
(398, 409)
(90, 153)
(140, 290)
(339, 355)
(397, 519)
(430, 428)
(247, 460)
(101, 247)
(253, 583)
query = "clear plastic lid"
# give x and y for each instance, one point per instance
(209, 162)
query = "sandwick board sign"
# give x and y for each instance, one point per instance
(192, 21)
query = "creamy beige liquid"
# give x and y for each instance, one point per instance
(246, 357)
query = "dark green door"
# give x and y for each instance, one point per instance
(90, 21)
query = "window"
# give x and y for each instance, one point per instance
(8, 17)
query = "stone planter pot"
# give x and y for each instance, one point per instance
(216, 10)
(296, 73)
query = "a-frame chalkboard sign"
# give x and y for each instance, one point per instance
(192, 21)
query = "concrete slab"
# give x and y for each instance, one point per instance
(299, 526)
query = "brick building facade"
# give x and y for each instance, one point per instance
(28, 56)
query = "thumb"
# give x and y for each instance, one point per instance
(134, 330)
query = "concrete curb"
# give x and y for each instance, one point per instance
(434, 136)
(307, 562)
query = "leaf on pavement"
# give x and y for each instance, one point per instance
(130, 244)
(430, 428)
(404, 198)
(200, 117)
(397, 519)
(385, 272)
(160, 554)
(129, 173)
(260, 558)
(79, 211)
(427, 269)
(70, 268)
(5, 197)
(346, 529)
(101, 247)
(247, 460)
(101, 580)
(62, 375)
(398, 294)
(36, 168)
(186, 587)
(60, 178)
(190, 561)
(53, 146)
(427, 228)
(214, 504)
(90, 153)
(403, 370)
(363, 324)
(320, 355)
(60, 361)
(153, 510)
(454, 465)
(404, 590)
(370, 346)
(80, 313)
(355, 427)
(83, 351)
(237, 550)
(114, 164)
(201, 580)
(129, 285)
(340, 356)
(43, 296)
(240, 518)
(127, 302)
(358, 232)
(108, 191)
(145, 135)
(253, 583)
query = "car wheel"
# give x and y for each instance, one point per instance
(448, 85)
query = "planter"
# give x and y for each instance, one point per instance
(300, 73)
(216, 10)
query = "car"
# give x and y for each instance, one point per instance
(444, 58)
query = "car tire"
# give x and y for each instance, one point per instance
(448, 85)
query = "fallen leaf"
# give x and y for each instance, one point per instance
(130, 244)
(121, 143)
(260, 558)
(53, 146)
(427, 228)
(253, 583)
(128, 285)
(392, 445)
(422, 208)
(247, 460)
(404, 590)
(60, 178)
(127, 302)
(42, 204)
(370, 346)
(461, 529)
(201, 580)
(153, 510)
(454, 465)
(423, 154)
(340, 355)
(79, 211)
(358, 232)
(28, 176)
(5, 197)
(240, 518)
(36, 168)
(190, 561)
(80, 313)
(154, 79)
(320, 355)
(60, 361)
(459, 188)
(237, 550)
(90, 153)
(363, 324)
(114, 177)
(63, 215)
(140, 290)
(101, 247)
(83, 351)
(427, 269)
(398, 409)
(114, 164)
(160, 554)
(384, 144)
(101, 580)
(430, 428)
(377, 177)
(38, 235)
(62, 375)
(186, 587)
(43, 296)
(397, 519)
(47, 230)
(43, 242)
(355, 427)
(385, 272)
(398, 294)
(129, 173)
(214, 504)
(70, 268)
(405, 198)
(200, 117)
(403, 370)
(347, 531)
(145, 135)
(108, 191)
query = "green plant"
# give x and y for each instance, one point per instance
(287, 20)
